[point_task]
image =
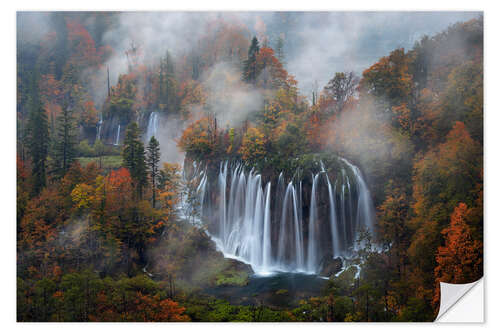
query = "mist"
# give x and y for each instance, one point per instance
(169, 130)
(230, 99)
(319, 44)
(316, 44)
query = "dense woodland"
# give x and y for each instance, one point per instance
(99, 233)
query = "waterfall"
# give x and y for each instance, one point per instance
(290, 246)
(256, 224)
(299, 241)
(201, 192)
(365, 205)
(333, 219)
(283, 230)
(311, 242)
(244, 218)
(152, 126)
(222, 196)
(266, 250)
(264, 225)
(99, 127)
(117, 140)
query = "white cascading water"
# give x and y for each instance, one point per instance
(365, 204)
(267, 229)
(244, 221)
(312, 251)
(333, 218)
(290, 248)
(201, 191)
(266, 238)
(152, 126)
(99, 127)
(117, 140)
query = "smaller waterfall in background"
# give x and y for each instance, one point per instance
(117, 140)
(152, 126)
(99, 127)
(268, 229)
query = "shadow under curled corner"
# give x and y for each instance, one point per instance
(461, 303)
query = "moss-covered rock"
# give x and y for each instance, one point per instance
(234, 274)
(189, 254)
(281, 292)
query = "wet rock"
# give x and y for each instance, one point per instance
(330, 266)
(238, 265)
(235, 273)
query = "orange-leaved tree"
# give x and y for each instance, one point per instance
(460, 260)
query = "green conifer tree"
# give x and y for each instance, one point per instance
(134, 158)
(250, 71)
(64, 143)
(37, 139)
(153, 161)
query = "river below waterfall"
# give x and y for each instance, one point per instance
(279, 289)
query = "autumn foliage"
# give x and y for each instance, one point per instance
(460, 260)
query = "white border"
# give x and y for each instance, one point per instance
(492, 121)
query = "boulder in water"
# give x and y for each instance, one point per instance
(235, 273)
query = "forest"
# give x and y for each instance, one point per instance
(200, 181)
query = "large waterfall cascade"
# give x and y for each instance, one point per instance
(285, 226)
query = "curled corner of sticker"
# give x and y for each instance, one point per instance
(461, 302)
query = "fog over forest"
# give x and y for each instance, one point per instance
(316, 43)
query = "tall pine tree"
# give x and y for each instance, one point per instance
(64, 141)
(37, 139)
(250, 70)
(153, 161)
(134, 158)
(167, 84)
